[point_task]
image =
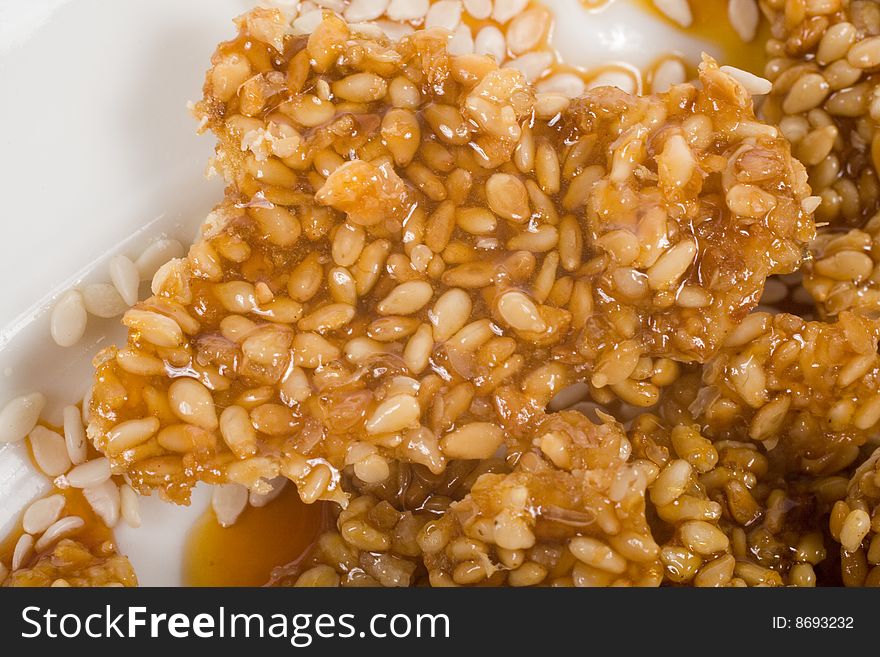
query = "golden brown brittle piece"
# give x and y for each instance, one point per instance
(855, 524)
(726, 514)
(845, 271)
(824, 60)
(571, 512)
(417, 252)
(70, 563)
(808, 389)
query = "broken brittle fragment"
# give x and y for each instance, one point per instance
(855, 524)
(70, 563)
(823, 62)
(727, 514)
(417, 252)
(844, 273)
(809, 389)
(571, 511)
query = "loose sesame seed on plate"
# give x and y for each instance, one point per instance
(19, 416)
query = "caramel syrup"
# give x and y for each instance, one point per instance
(262, 539)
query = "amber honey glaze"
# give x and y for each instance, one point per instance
(262, 539)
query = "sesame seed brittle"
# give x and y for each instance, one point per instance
(417, 251)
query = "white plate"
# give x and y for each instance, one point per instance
(99, 156)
